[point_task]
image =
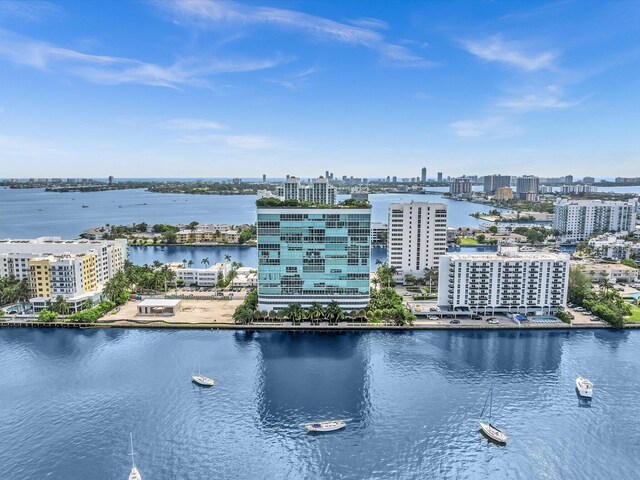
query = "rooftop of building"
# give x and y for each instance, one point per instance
(509, 254)
(585, 202)
(52, 246)
(277, 203)
(595, 267)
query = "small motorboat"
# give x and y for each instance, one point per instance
(584, 387)
(491, 431)
(135, 474)
(202, 380)
(327, 426)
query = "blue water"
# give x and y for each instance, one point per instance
(34, 212)
(68, 400)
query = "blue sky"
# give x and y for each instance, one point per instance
(222, 88)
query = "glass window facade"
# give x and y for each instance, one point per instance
(308, 255)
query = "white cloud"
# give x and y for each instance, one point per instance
(191, 124)
(550, 99)
(110, 70)
(368, 22)
(490, 128)
(422, 96)
(495, 49)
(24, 147)
(32, 11)
(240, 142)
(209, 13)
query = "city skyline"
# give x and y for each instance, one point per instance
(201, 89)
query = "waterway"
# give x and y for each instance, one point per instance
(68, 400)
(35, 212)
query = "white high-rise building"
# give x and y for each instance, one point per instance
(506, 281)
(319, 191)
(577, 220)
(417, 236)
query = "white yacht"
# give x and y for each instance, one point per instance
(491, 431)
(584, 387)
(326, 426)
(202, 380)
(135, 474)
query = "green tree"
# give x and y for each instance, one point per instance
(205, 262)
(629, 262)
(60, 305)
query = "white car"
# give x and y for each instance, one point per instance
(493, 321)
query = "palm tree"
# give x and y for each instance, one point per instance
(61, 305)
(316, 312)
(334, 312)
(205, 262)
(157, 264)
(294, 312)
(87, 304)
(184, 263)
(227, 258)
(190, 263)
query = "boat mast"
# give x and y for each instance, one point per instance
(133, 460)
(490, 402)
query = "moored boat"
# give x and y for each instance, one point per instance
(584, 387)
(493, 433)
(202, 380)
(490, 430)
(135, 474)
(326, 426)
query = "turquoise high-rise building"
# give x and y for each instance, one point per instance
(309, 254)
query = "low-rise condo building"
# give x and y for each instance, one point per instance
(612, 247)
(612, 272)
(200, 277)
(509, 281)
(577, 220)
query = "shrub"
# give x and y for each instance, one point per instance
(47, 316)
(93, 314)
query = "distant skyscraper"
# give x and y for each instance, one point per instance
(264, 177)
(423, 177)
(460, 186)
(588, 180)
(494, 182)
(395, 179)
(527, 188)
(110, 179)
(440, 176)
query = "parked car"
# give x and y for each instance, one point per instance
(432, 317)
(476, 317)
(454, 322)
(493, 321)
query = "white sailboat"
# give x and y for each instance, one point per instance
(487, 427)
(584, 387)
(325, 426)
(135, 474)
(202, 380)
